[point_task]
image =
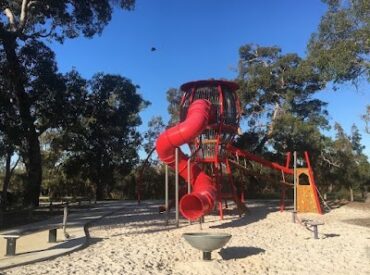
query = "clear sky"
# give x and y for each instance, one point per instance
(200, 39)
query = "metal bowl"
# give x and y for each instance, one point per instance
(207, 242)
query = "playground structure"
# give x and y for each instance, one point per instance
(209, 121)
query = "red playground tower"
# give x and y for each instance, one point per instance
(209, 120)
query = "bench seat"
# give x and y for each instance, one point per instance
(314, 225)
(11, 236)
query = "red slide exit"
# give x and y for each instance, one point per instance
(203, 196)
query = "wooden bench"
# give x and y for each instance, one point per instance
(63, 200)
(11, 236)
(314, 225)
(77, 199)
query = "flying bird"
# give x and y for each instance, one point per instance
(153, 49)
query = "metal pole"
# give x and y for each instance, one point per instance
(177, 185)
(315, 232)
(166, 193)
(189, 176)
(295, 184)
(189, 179)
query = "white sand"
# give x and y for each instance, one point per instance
(136, 241)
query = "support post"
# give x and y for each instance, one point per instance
(315, 232)
(282, 193)
(177, 185)
(295, 184)
(189, 178)
(11, 243)
(166, 193)
(65, 217)
(206, 256)
(53, 235)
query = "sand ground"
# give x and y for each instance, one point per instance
(266, 241)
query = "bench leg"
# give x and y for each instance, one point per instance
(206, 256)
(10, 246)
(53, 235)
(294, 216)
(315, 232)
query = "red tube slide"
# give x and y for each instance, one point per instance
(203, 196)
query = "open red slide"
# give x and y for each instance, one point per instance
(203, 196)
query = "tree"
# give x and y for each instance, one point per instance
(366, 118)
(103, 142)
(174, 99)
(155, 127)
(350, 165)
(23, 24)
(276, 94)
(340, 49)
(10, 134)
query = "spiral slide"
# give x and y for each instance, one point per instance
(203, 196)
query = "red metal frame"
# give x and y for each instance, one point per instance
(219, 134)
(262, 161)
(313, 185)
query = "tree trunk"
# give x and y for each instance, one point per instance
(351, 194)
(8, 174)
(330, 188)
(4, 196)
(17, 78)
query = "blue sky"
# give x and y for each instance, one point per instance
(200, 40)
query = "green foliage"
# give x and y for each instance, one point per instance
(352, 170)
(155, 127)
(29, 71)
(103, 140)
(366, 118)
(276, 94)
(59, 19)
(341, 46)
(174, 100)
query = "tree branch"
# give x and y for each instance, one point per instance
(23, 17)
(32, 3)
(15, 165)
(11, 19)
(39, 34)
(332, 163)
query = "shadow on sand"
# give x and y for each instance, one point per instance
(257, 211)
(64, 245)
(155, 222)
(239, 252)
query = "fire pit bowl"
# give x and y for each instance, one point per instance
(207, 242)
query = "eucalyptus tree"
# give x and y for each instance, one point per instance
(173, 108)
(155, 127)
(103, 142)
(276, 92)
(10, 134)
(366, 119)
(340, 48)
(24, 24)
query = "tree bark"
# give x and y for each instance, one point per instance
(351, 194)
(32, 159)
(4, 196)
(8, 174)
